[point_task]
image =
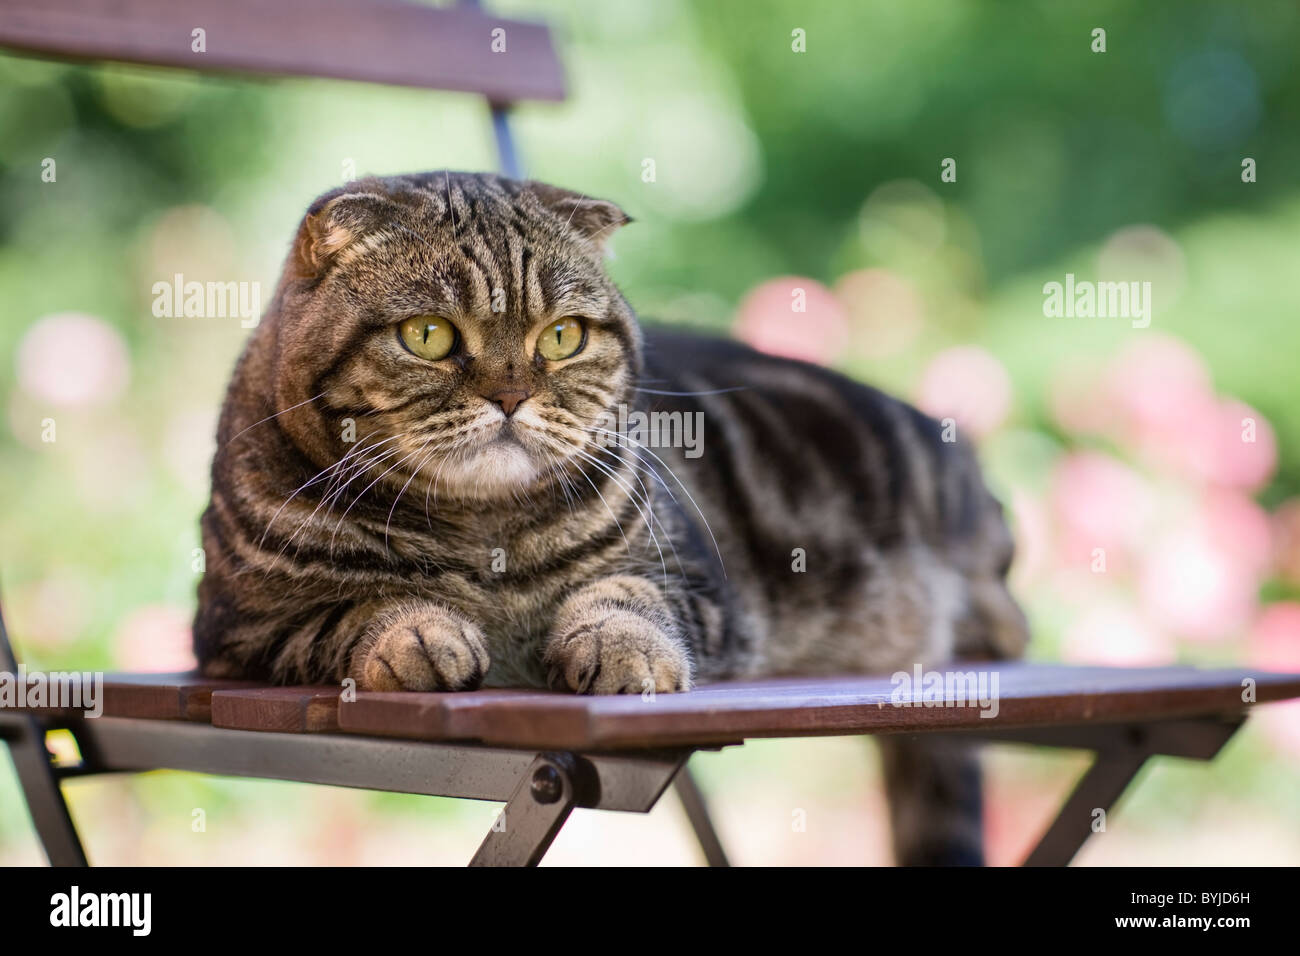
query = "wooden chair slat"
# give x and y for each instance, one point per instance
(463, 716)
(294, 710)
(149, 696)
(1028, 695)
(184, 696)
(377, 41)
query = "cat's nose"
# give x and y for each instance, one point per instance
(508, 401)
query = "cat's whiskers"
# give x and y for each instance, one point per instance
(559, 440)
(433, 486)
(354, 460)
(565, 484)
(556, 477)
(352, 504)
(712, 391)
(359, 468)
(554, 440)
(648, 520)
(633, 467)
(414, 471)
(640, 447)
(617, 523)
(356, 470)
(457, 456)
(268, 418)
(644, 495)
(329, 470)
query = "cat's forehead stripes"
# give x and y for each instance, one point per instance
(481, 246)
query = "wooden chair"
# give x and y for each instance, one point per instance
(543, 754)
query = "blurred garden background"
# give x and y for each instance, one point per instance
(1173, 451)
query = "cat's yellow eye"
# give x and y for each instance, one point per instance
(429, 336)
(561, 339)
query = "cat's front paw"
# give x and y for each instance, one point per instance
(424, 647)
(617, 651)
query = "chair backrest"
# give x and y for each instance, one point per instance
(377, 41)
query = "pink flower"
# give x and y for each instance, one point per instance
(1286, 536)
(53, 610)
(73, 359)
(1033, 533)
(795, 317)
(1113, 633)
(1275, 645)
(1161, 404)
(1239, 527)
(1099, 503)
(155, 637)
(1281, 721)
(1195, 589)
(969, 385)
(1275, 638)
(1242, 447)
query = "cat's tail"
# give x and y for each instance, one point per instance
(934, 783)
(935, 800)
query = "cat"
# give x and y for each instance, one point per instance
(420, 482)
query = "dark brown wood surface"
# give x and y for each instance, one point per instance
(164, 696)
(1029, 695)
(293, 710)
(379, 41)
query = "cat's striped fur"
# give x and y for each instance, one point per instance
(379, 516)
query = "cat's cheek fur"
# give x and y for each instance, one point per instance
(420, 646)
(616, 636)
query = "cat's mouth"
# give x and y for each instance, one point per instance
(508, 433)
(495, 467)
(500, 460)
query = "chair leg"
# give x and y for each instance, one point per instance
(530, 820)
(36, 775)
(1098, 789)
(697, 811)
(40, 783)
(507, 151)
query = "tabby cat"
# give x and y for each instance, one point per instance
(421, 483)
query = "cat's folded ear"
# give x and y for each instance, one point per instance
(333, 223)
(593, 219)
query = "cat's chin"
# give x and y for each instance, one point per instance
(498, 469)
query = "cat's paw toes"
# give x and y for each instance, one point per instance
(618, 652)
(422, 651)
